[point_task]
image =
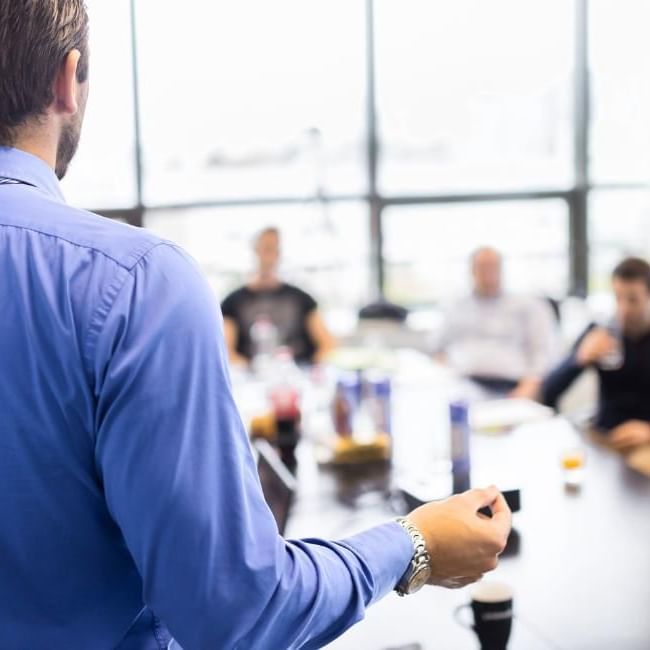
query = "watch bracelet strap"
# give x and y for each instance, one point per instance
(420, 553)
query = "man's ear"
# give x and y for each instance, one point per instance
(66, 86)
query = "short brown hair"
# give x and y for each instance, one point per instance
(631, 269)
(35, 38)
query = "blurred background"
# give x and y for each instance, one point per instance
(386, 139)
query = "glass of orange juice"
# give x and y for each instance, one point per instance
(573, 463)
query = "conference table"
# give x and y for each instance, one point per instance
(579, 561)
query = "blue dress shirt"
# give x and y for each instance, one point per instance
(129, 499)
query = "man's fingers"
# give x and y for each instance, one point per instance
(461, 581)
(622, 438)
(623, 443)
(501, 514)
(492, 498)
(481, 498)
(500, 523)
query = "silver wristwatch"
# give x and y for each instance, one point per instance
(419, 570)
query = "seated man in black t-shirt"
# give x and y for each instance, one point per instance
(622, 362)
(266, 303)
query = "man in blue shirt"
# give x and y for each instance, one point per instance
(130, 505)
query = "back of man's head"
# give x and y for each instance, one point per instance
(35, 38)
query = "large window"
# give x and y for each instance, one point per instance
(427, 247)
(619, 205)
(251, 99)
(619, 227)
(102, 174)
(620, 65)
(387, 139)
(324, 246)
(474, 95)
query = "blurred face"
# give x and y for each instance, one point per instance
(486, 273)
(632, 305)
(267, 250)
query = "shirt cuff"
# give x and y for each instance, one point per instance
(387, 551)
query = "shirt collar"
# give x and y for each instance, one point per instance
(23, 166)
(493, 298)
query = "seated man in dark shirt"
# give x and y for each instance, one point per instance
(275, 310)
(624, 392)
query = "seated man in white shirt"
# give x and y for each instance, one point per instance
(504, 342)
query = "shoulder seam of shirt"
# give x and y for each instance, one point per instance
(301, 292)
(139, 252)
(98, 319)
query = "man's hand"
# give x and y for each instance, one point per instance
(462, 543)
(632, 433)
(597, 344)
(527, 388)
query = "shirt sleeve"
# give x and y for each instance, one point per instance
(229, 305)
(307, 302)
(181, 483)
(444, 337)
(560, 379)
(542, 338)
(451, 325)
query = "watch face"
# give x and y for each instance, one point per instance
(419, 579)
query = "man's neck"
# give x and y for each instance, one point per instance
(639, 333)
(261, 281)
(38, 142)
(488, 295)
